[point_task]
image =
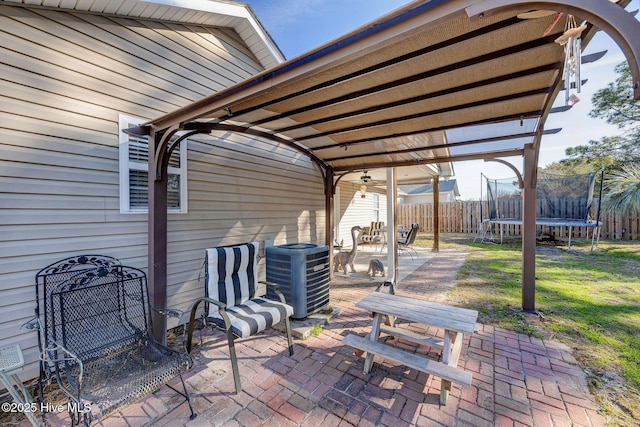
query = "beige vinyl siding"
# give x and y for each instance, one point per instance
(355, 210)
(65, 77)
(241, 190)
(223, 14)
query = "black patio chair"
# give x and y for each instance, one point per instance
(46, 280)
(96, 337)
(406, 243)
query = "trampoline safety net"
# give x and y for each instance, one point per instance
(558, 197)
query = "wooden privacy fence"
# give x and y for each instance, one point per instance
(464, 217)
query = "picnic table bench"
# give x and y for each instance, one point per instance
(454, 320)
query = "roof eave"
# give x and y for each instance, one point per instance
(226, 14)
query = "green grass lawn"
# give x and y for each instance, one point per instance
(588, 300)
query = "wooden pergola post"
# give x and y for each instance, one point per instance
(157, 274)
(529, 230)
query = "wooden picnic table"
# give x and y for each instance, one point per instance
(454, 320)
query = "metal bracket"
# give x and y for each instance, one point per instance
(513, 168)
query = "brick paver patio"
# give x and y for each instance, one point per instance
(517, 380)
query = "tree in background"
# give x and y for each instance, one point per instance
(622, 194)
(620, 154)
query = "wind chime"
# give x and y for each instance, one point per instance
(572, 50)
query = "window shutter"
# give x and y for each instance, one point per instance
(134, 155)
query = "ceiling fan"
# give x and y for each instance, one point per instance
(364, 180)
(367, 179)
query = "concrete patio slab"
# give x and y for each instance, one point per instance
(407, 263)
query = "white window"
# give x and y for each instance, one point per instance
(134, 167)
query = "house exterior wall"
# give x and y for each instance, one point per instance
(427, 198)
(354, 210)
(65, 78)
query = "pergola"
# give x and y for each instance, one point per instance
(431, 83)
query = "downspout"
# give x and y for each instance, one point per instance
(436, 214)
(392, 228)
(329, 191)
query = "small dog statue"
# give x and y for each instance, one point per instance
(375, 266)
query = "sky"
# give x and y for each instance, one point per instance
(299, 26)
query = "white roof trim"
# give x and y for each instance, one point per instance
(238, 16)
(235, 9)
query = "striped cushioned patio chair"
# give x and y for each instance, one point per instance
(232, 302)
(372, 234)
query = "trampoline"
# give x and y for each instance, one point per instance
(561, 201)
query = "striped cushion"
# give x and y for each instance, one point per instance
(253, 316)
(232, 278)
(231, 273)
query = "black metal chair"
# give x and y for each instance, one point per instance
(47, 279)
(231, 299)
(97, 339)
(406, 243)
